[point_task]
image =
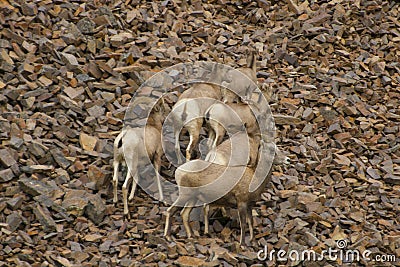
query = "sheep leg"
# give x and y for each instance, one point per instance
(188, 149)
(206, 209)
(219, 135)
(249, 219)
(242, 210)
(194, 132)
(157, 166)
(134, 173)
(115, 180)
(125, 193)
(177, 147)
(224, 212)
(170, 212)
(134, 184)
(185, 218)
(210, 142)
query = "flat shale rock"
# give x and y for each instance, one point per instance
(95, 210)
(59, 157)
(98, 176)
(6, 175)
(392, 179)
(14, 220)
(186, 261)
(15, 203)
(285, 120)
(6, 158)
(87, 142)
(34, 187)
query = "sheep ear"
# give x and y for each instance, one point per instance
(165, 108)
(160, 105)
(157, 107)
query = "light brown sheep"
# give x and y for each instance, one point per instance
(129, 150)
(201, 183)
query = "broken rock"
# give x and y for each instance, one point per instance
(95, 209)
(15, 203)
(75, 202)
(34, 187)
(6, 159)
(44, 217)
(98, 176)
(6, 175)
(87, 142)
(14, 220)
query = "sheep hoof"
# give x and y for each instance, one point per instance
(130, 198)
(127, 215)
(168, 237)
(207, 231)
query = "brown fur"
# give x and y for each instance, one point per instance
(236, 198)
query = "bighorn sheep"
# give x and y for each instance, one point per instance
(201, 183)
(221, 115)
(222, 157)
(189, 110)
(188, 113)
(129, 150)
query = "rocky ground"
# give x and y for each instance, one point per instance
(69, 69)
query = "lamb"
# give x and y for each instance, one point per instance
(201, 183)
(129, 150)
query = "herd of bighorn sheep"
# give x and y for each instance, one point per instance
(220, 108)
